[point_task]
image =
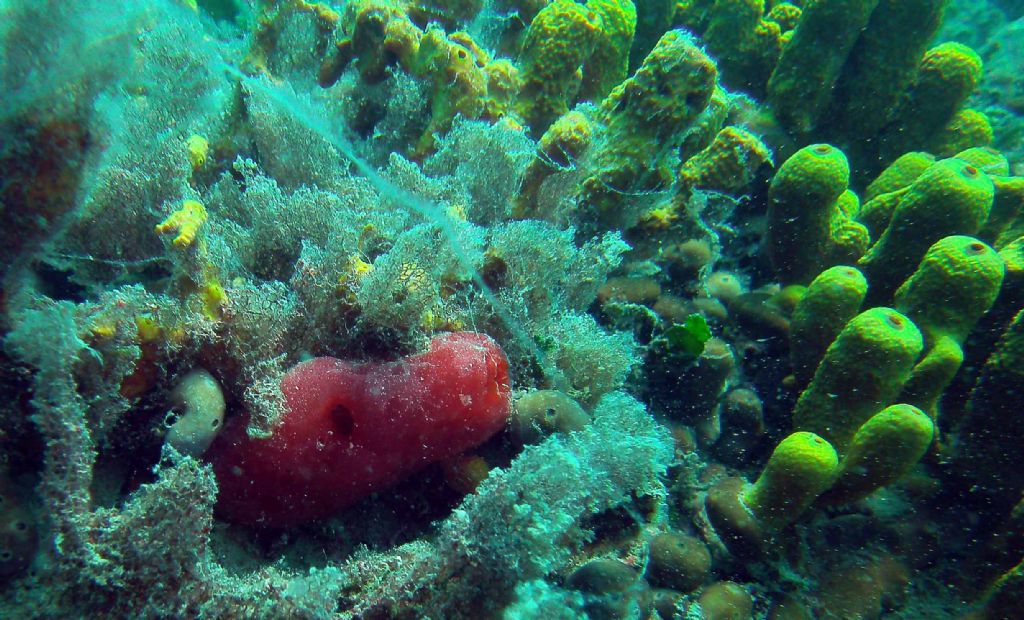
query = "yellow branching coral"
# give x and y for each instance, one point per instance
(185, 221)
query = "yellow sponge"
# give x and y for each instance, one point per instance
(185, 221)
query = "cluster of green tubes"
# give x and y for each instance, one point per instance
(877, 336)
(857, 73)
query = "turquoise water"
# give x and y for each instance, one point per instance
(511, 309)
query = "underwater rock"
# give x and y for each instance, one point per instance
(741, 417)
(535, 415)
(677, 561)
(725, 600)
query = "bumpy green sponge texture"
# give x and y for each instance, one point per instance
(645, 118)
(799, 88)
(800, 469)
(609, 63)
(990, 431)
(830, 302)
(882, 451)
(862, 372)
(560, 38)
(802, 203)
(882, 65)
(950, 197)
(900, 173)
(947, 76)
(957, 281)
(932, 374)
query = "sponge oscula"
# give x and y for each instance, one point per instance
(956, 283)
(353, 429)
(862, 372)
(802, 203)
(198, 399)
(882, 451)
(800, 469)
(988, 160)
(950, 197)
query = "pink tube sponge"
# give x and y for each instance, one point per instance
(353, 429)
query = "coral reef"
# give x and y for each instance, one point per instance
(511, 309)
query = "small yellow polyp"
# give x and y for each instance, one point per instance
(198, 151)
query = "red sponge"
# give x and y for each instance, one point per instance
(353, 429)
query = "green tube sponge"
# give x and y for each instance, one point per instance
(932, 374)
(848, 203)
(800, 469)
(559, 40)
(862, 372)
(807, 228)
(876, 213)
(848, 239)
(947, 76)
(882, 451)
(785, 14)
(703, 130)
(672, 86)
(800, 86)
(882, 66)
(801, 197)
(645, 119)
(608, 65)
(746, 46)
(968, 128)
(830, 302)
(885, 192)
(957, 282)
(727, 165)
(731, 25)
(557, 150)
(950, 197)
(899, 174)
(1007, 205)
